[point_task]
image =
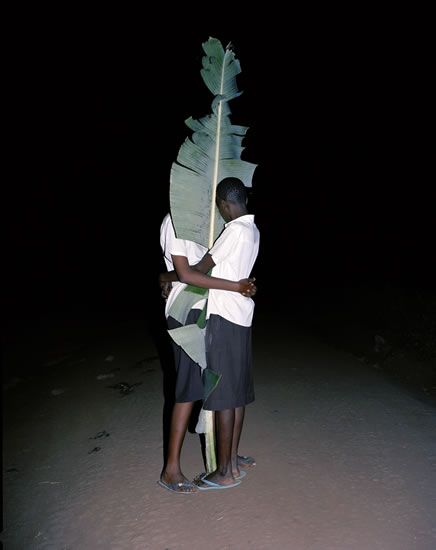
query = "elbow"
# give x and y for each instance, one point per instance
(187, 276)
(184, 278)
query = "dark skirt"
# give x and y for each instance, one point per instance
(189, 386)
(229, 352)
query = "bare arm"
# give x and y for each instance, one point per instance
(204, 265)
(195, 275)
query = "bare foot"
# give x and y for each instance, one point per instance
(177, 483)
(206, 482)
(184, 486)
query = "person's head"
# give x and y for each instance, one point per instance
(231, 198)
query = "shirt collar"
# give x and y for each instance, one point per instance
(246, 217)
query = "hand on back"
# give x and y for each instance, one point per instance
(165, 289)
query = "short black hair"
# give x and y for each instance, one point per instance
(232, 190)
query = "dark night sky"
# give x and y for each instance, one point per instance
(338, 117)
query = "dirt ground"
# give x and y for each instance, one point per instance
(345, 458)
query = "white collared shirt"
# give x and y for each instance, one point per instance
(171, 245)
(234, 254)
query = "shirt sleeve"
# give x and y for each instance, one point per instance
(225, 245)
(174, 246)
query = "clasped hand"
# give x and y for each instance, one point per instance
(247, 287)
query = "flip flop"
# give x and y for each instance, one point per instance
(212, 486)
(178, 487)
(246, 461)
(200, 477)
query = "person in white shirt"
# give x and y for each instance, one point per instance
(189, 387)
(228, 334)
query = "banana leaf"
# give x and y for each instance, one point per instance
(191, 339)
(211, 153)
(184, 302)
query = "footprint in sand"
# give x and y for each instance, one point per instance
(100, 435)
(124, 387)
(94, 450)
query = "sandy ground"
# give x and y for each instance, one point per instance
(345, 459)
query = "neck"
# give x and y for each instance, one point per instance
(236, 211)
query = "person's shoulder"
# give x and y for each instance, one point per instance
(166, 227)
(245, 223)
(246, 219)
(166, 219)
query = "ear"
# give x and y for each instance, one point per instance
(223, 207)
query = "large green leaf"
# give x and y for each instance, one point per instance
(211, 154)
(211, 380)
(184, 302)
(191, 339)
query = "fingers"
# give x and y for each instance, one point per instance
(248, 287)
(251, 291)
(165, 290)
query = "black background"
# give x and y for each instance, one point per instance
(340, 115)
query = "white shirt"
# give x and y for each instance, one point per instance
(171, 245)
(234, 254)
